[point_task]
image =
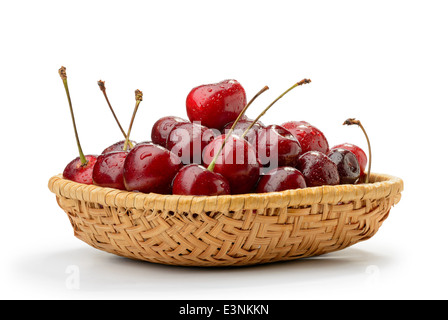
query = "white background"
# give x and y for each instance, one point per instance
(383, 62)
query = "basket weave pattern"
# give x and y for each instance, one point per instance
(227, 230)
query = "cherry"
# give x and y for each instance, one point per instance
(215, 105)
(309, 137)
(195, 179)
(237, 161)
(276, 147)
(108, 170)
(150, 168)
(280, 179)
(117, 146)
(357, 151)
(352, 121)
(347, 164)
(79, 169)
(188, 140)
(162, 128)
(318, 169)
(79, 172)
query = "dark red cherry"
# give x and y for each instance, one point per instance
(76, 171)
(280, 179)
(215, 105)
(237, 162)
(162, 128)
(241, 127)
(195, 179)
(108, 170)
(318, 169)
(348, 165)
(276, 147)
(117, 146)
(188, 140)
(150, 168)
(357, 151)
(309, 137)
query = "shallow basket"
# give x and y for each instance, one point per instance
(231, 230)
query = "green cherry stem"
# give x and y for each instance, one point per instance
(351, 121)
(102, 86)
(138, 99)
(211, 166)
(304, 81)
(63, 75)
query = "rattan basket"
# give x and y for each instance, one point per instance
(232, 230)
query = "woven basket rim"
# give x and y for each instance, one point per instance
(382, 185)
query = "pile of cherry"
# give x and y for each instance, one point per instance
(219, 150)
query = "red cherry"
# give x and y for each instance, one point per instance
(215, 105)
(162, 128)
(358, 152)
(276, 147)
(188, 140)
(195, 179)
(237, 162)
(150, 168)
(280, 179)
(79, 172)
(79, 169)
(117, 146)
(309, 137)
(318, 169)
(108, 170)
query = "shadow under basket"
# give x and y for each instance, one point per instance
(233, 230)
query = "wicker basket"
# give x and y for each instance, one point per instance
(227, 230)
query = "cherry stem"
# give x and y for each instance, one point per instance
(63, 75)
(102, 86)
(211, 166)
(138, 99)
(304, 81)
(351, 121)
